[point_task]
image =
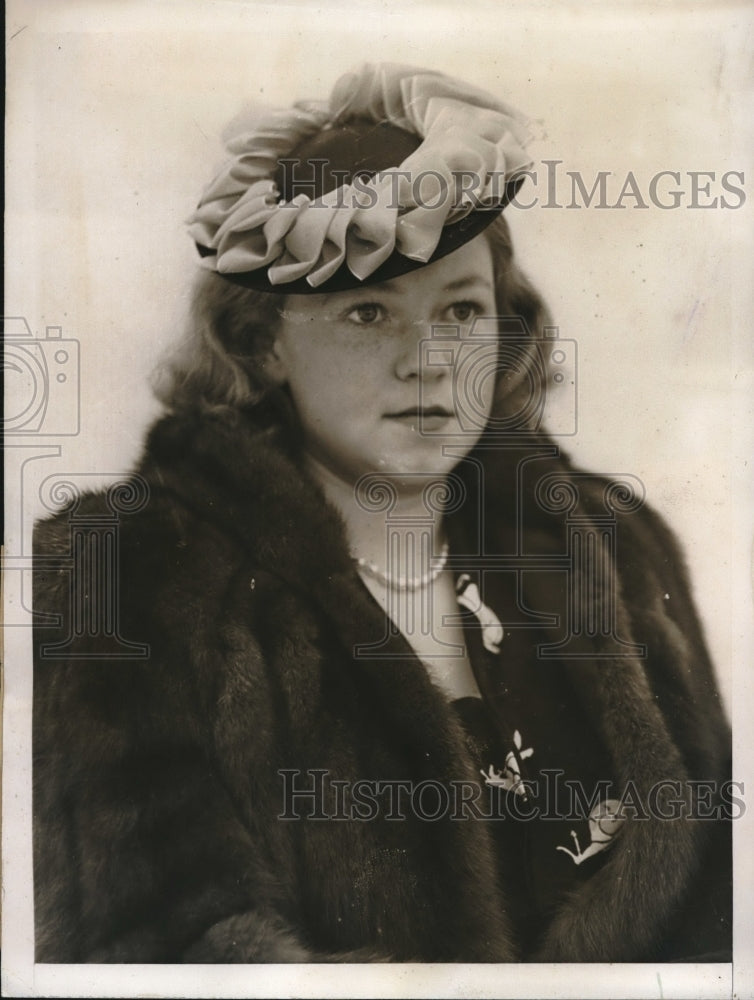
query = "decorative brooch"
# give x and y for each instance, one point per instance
(467, 595)
(605, 820)
(510, 777)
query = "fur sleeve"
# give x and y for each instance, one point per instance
(265, 937)
(142, 852)
(639, 896)
(657, 591)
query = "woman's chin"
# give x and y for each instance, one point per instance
(409, 460)
(413, 472)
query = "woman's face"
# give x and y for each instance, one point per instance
(353, 364)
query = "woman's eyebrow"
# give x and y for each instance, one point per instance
(465, 282)
(472, 279)
(391, 287)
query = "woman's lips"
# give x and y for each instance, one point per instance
(428, 418)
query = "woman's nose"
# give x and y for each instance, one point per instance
(413, 354)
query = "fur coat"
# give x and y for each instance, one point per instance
(222, 661)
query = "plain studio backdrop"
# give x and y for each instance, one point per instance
(115, 113)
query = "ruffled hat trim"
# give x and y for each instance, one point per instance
(472, 148)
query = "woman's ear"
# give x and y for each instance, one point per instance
(274, 364)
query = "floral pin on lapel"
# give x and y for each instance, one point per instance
(467, 595)
(510, 777)
(605, 820)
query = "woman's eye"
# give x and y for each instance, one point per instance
(462, 312)
(366, 313)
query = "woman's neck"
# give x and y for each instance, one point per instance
(389, 526)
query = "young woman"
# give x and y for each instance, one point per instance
(366, 670)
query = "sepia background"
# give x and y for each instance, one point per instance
(114, 115)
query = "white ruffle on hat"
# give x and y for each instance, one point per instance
(469, 161)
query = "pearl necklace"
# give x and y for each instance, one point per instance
(403, 582)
